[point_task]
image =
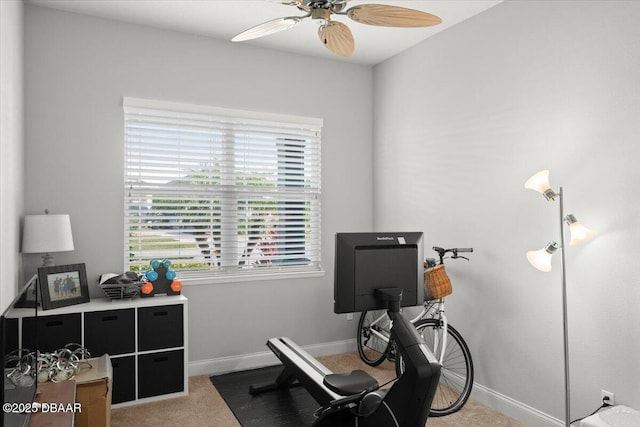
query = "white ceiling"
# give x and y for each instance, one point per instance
(223, 19)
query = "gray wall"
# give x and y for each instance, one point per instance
(11, 146)
(460, 122)
(78, 68)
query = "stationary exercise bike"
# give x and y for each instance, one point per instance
(355, 398)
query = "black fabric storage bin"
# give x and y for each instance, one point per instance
(53, 332)
(112, 332)
(160, 373)
(124, 379)
(160, 327)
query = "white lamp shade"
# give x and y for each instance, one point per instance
(538, 182)
(46, 233)
(579, 233)
(541, 259)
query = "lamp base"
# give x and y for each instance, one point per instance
(47, 260)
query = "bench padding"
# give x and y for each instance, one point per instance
(353, 382)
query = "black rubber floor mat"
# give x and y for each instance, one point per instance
(292, 407)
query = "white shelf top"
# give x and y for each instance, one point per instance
(101, 304)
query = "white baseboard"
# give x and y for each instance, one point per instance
(519, 411)
(223, 365)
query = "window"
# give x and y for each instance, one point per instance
(220, 193)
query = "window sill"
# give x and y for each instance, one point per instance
(213, 280)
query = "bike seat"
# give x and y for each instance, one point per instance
(352, 383)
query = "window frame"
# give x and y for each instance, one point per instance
(134, 107)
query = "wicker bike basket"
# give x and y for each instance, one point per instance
(436, 282)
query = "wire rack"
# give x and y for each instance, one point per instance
(121, 290)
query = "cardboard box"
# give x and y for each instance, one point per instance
(93, 392)
(63, 394)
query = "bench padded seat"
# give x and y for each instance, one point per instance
(352, 383)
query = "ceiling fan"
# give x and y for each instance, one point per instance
(335, 35)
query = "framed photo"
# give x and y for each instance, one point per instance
(29, 296)
(63, 285)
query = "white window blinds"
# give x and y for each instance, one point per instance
(220, 192)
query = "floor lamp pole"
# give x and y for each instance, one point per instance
(565, 323)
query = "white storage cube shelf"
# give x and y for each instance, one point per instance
(146, 339)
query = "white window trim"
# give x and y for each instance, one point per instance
(220, 111)
(271, 273)
(231, 278)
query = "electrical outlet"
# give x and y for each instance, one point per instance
(349, 316)
(610, 397)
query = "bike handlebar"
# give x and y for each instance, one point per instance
(454, 251)
(463, 249)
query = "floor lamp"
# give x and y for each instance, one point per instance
(541, 259)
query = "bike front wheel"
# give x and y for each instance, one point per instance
(456, 374)
(373, 336)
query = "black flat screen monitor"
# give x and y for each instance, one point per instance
(368, 261)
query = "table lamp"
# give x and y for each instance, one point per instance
(43, 234)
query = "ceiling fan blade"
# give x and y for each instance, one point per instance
(391, 16)
(267, 28)
(337, 38)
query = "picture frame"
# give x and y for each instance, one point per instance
(63, 285)
(29, 296)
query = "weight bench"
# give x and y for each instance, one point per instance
(300, 368)
(354, 398)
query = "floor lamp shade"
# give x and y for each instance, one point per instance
(579, 233)
(43, 234)
(540, 183)
(541, 259)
